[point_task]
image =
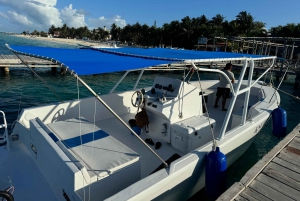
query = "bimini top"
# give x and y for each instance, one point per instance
(103, 60)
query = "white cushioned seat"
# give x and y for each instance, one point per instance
(101, 153)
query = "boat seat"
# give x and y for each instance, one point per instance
(100, 152)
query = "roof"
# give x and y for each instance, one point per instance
(104, 60)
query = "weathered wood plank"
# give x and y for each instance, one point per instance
(286, 164)
(267, 191)
(289, 156)
(232, 192)
(255, 194)
(295, 143)
(279, 186)
(248, 197)
(240, 198)
(260, 165)
(282, 178)
(285, 171)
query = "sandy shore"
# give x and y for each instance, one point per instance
(60, 40)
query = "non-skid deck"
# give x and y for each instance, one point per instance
(275, 177)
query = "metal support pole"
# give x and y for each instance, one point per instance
(292, 51)
(255, 51)
(245, 110)
(283, 56)
(214, 44)
(261, 47)
(117, 116)
(276, 51)
(233, 99)
(120, 80)
(138, 80)
(225, 45)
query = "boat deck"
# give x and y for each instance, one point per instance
(275, 177)
(19, 170)
(149, 162)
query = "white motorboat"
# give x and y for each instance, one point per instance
(85, 149)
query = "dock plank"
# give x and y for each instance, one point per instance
(289, 156)
(282, 178)
(256, 195)
(248, 197)
(267, 191)
(279, 186)
(285, 171)
(261, 164)
(295, 143)
(286, 164)
(275, 177)
(240, 198)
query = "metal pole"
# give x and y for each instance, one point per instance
(120, 80)
(214, 44)
(283, 56)
(276, 51)
(232, 102)
(138, 80)
(292, 52)
(101, 101)
(273, 60)
(225, 45)
(245, 110)
(261, 47)
(113, 113)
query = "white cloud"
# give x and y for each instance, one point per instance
(102, 21)
(71, 17)
(23, 15)
(3, 15)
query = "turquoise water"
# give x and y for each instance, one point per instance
(35, 93)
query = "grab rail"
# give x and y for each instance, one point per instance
(4, 125)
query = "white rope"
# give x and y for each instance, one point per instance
(212, 132)
(80, 135)
(296, 97)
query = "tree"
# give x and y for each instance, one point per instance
(246, 23)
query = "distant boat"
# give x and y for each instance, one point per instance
(84, 149)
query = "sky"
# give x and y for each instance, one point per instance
(29, 15)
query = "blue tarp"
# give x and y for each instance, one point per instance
(107, 60)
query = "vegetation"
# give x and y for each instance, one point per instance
(184, 33)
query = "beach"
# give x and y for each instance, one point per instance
(59, 40)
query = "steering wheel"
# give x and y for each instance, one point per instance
(137, 98)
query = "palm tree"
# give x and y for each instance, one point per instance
(246, 22)
(217, 20)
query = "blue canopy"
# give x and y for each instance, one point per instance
(107, 60)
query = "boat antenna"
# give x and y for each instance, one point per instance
(212, 132)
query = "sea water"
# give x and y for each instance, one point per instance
(22, 89)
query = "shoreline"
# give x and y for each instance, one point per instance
(60, 40)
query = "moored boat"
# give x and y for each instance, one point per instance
(84, 149)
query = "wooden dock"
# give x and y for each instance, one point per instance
(275, 177)
(14, 61)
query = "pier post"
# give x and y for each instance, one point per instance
(5, 69)
(283, 56)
